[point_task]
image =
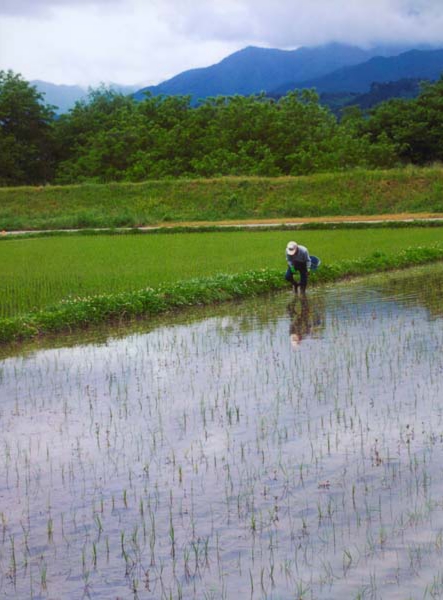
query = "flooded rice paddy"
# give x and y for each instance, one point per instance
(280, 449)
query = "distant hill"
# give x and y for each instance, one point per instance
(414, 64)
(254, 70)
(379, 92)
(339, 72)
(64, 97)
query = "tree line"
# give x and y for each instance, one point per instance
(112, 137)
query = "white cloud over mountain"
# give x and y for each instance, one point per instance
(128, 41)
(295, 22)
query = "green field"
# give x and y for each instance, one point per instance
(35, 273)
(357, 192)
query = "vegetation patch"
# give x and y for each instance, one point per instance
(83, 312)
(36, 273)
(90, 205)
(110, 137)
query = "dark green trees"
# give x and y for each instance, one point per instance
(96, 139)
(111, 137)
(26, 142)
(414, 127)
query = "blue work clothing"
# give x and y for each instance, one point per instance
(301, 262)
(301, 256)
(303, 270)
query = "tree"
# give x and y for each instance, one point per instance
(86, 136)
(414, 126)
(26, 140)
(304, 131)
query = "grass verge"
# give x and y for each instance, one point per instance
(77, 313)
(355, 192)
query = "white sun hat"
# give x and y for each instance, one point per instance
(291, 248)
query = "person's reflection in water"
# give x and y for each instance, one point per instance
(303, 321)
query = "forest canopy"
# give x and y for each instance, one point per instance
(111, 137)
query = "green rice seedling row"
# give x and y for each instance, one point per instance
(35, 273)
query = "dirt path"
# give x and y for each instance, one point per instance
(301, 220)
(275, 222)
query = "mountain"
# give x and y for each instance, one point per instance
(379, 92)
(254, 70)
(414, 64)
(64, 97)
(340, 71)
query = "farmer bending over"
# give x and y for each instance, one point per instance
(298, 259)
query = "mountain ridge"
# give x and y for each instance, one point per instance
(332, 69)
(253, 70)
(64, 96)
(413, 64)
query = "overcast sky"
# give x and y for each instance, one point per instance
(148, 41)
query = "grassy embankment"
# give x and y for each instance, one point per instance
(76, 281)
(359, 192)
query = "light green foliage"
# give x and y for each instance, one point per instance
(115, 139)
(413, 127)
(37, 272)
(111, 137)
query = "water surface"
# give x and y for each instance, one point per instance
(278, 449)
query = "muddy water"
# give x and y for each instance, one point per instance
(279, 449)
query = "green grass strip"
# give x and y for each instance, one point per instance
(83, 312)
(315, 225)
(353, 192)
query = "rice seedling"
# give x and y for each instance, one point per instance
(209, 458)
(33, 273)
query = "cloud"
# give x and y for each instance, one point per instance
(290, 23)
(128, 41)
(89, 44)
(42, 8)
